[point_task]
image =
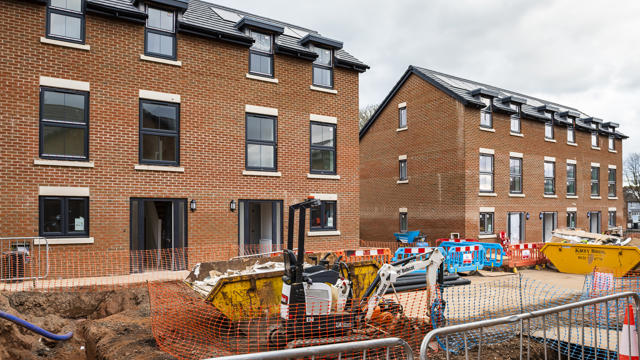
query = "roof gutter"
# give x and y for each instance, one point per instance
(212, 34)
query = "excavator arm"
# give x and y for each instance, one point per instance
(389, 273)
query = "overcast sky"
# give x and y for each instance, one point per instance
(583, 54)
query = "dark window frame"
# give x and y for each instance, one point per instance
(492, 173)
(330, 68)
(594, 135)
(400, 175)
(516, 175)
(64, 209)
(274, 143)
(263, 53)
(572, 215)
(70, 13)
(571, 129)
(324, 227)
(400, 111)
(549, 124)
(611, 143)
(403, 219)
(614, 213)
(43, 123)
(158, 132)
(613, 182)
(519, 121)
(552, 178)
(595, 181)
(333, 148)
(486, 216)
(573, 179)
(148, 30)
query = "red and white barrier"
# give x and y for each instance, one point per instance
(526, 254)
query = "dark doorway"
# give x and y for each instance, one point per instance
(260, 226)
(158, 234)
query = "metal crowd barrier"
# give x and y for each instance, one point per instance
(348, 348)
(23, 258)
(548, 316)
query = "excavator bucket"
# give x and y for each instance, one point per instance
(246, 288)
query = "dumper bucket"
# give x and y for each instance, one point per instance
(583, 258)
(252, 294)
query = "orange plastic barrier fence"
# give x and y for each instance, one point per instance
(382, 256)
(527, 254)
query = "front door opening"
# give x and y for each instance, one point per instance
(516, 227)
(260, 226)
(549, 223)
(594, 222)
(158, 234)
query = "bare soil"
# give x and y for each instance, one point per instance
(105, 324)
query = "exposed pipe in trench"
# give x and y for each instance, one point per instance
(35, 328)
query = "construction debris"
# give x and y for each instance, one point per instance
(583, 237)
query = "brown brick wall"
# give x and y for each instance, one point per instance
(433, 143)
(213, 91)
(442, 143)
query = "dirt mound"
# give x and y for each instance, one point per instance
(105, 325)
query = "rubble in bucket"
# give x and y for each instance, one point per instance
(584, 237)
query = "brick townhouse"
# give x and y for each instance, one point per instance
(164, 124)
(448, 155)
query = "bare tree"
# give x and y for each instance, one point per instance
(366, 113)
(632, 174)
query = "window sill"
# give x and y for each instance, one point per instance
(516, 134)
(324, 233)
(595, 148)
(159, 168)
(550, 140)
(572, 144)
(402, 129)
(323, 176)
(613, 151)
(402, 182)
(262, 78)
(572, 196)
(321, 89)
(487, 129)
(261, 173)
(67, 44)
(487, 194)
(612, 198)
(547, 196)
(488, 236)
(596, 197)
(64, 241)
(160, 60)
(516, 195)
(67, 163)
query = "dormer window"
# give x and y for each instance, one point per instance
(261, 54)
(486, 120)
(594, 139)
(160, 33)
(515, 119)
(65, 20)
(323, 67)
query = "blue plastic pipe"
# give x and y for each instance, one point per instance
(34, 328)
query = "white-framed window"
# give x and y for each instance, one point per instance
(486, 118)
(571, 134)
(548, 130)
(486, 173)
(612, 143)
